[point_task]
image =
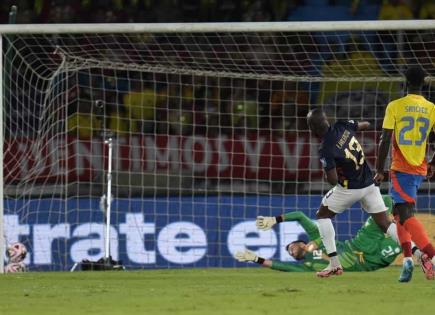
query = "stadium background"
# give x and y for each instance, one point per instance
(219, 118)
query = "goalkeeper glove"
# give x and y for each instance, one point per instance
(249, 256)
(265, 223)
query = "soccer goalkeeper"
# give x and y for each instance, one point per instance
(369, 250)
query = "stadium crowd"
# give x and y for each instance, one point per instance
(140, 11)
(185, 104)
(205, 105)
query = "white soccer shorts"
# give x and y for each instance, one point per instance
(339, 199)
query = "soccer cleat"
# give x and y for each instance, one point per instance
(407, 269)
(330, 271)
(427, 267)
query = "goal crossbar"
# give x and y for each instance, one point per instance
(218, 27)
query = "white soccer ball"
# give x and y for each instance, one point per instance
(15, 267)
(16, 252)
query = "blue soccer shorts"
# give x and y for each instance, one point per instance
(404, 186)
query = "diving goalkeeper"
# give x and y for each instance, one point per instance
(369, 250)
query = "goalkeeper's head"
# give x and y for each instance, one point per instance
(415, 76)
(297, 249)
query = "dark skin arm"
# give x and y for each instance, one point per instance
(363, 125)
(431, 164)
(331, 176)
(431, 167)
(384, 147)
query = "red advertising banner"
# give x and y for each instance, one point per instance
(264, 157)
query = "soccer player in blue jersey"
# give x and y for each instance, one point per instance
(345, 168)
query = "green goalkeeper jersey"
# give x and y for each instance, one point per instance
(369, 250)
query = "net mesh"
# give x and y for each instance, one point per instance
(208, 129)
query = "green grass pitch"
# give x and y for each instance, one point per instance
(214, 291)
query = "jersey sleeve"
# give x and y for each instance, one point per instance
(352, 125)
(326, 155)
(389, 119)
(309, 226)
(311, 265)
(290, 267)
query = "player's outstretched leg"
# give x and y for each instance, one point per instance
(427, 267)
(407, 269)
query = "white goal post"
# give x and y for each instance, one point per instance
(225, 27)
(209, 132)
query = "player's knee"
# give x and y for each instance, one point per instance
(319, 215)
(404, 211)
(382, 220)
(324, 213)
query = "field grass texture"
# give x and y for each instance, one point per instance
(214, 291)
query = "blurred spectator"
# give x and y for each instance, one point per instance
(257, 11)
(244, 116)
(118, 123)
(180, 112)
(395, 10)
(208, 121)
(141, 104)
(419, 50)
(344, 99)
(207, 102)
(280, 9)
(83, 123)
(26, 16)
(272, 10)
(207, 116)
(244, 108)
(288, 106)
(109, 11)
(427, 10)
(180, 121)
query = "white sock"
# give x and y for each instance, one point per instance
(433, 260)
(327, 233)
(417, 253)
(334, 262)
(392, 232)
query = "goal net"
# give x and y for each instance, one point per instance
(208, 128)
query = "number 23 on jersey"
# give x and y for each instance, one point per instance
(407, 133)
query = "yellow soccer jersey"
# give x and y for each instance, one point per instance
(411, 117)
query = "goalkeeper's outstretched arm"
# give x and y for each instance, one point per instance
(249, 256)
(266, 223)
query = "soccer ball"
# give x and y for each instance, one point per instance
(16, 252)
(15, 267)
